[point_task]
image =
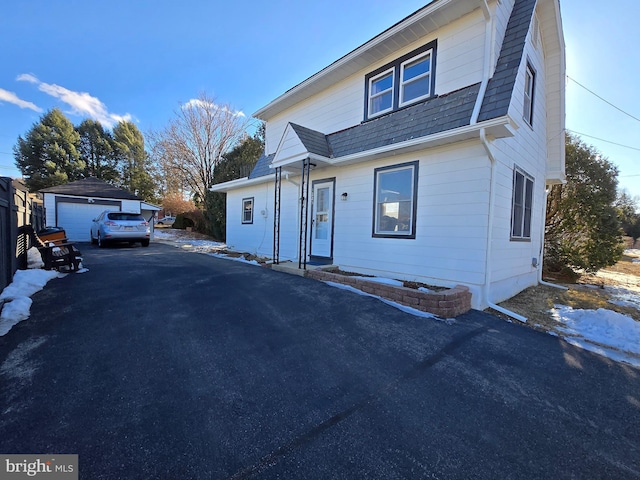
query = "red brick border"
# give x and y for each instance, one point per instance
(446, 303)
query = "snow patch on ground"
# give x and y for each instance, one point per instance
(201, 246)
(34, 259)
(382, 280)
(16, 296)
(601, 331)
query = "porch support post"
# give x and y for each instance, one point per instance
(277, 195)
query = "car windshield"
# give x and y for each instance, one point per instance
(133, 217)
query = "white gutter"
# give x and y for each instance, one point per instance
(492, 185)
(239, 183)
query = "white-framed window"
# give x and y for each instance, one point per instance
(381, 93)
(394, 204)
(247, 210)
(529, 90)
(415, 78)
(406, 80)
(522, 203)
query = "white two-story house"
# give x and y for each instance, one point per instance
(422, 155)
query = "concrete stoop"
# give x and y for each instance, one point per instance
(292, 268)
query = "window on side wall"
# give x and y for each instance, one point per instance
(521, 208)
(247, 210)
(394, 205)
(529, 90)
(408, 79)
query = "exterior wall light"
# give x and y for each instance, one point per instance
(344, 196)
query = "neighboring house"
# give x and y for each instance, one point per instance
(74, 205)
(422, 155)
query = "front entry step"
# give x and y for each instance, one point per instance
(292, 268)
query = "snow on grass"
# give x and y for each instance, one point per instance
(16, 295)
(623, 297)
(601, 331)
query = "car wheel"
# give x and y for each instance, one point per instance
(160, 223)
(93, 240)
(100, 242)
(145, 243)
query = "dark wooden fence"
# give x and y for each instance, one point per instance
(17, 208)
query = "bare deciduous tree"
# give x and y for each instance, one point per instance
(190, 147)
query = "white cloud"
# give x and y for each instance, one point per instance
(10, 97)
(197, 103)
(81, 103)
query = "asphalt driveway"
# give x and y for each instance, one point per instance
(159, 363)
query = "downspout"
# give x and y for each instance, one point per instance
(488, 66)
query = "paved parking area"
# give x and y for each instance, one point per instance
(159, 363)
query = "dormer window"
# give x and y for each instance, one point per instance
(405, 81)
(381, 93)
(416, 79)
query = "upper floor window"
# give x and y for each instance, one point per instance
(416, 79)
(381, 93)
(407, 80)
(529, 85)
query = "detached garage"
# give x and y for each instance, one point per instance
(74, 205)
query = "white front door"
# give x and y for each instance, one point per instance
(322, 219)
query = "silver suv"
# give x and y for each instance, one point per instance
(112, 226)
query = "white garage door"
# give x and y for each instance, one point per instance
(76, 219)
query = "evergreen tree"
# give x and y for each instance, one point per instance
(48, 155)
(136, 173)
(97, 151)
(583, 230)
(238, 163)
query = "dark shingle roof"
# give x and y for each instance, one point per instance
(262, 166)
(92, 187)
(500, 88)
(435, 115)
(314, 141)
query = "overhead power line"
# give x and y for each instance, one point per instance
(604, 100)
(603, 140)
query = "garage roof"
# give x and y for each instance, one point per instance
(91, 187)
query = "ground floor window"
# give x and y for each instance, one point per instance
(247, 210)
(522, 202)
(395, 192)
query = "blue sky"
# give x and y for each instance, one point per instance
(141, 59)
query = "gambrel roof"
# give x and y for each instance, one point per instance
(434, 115)
(498, 95)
